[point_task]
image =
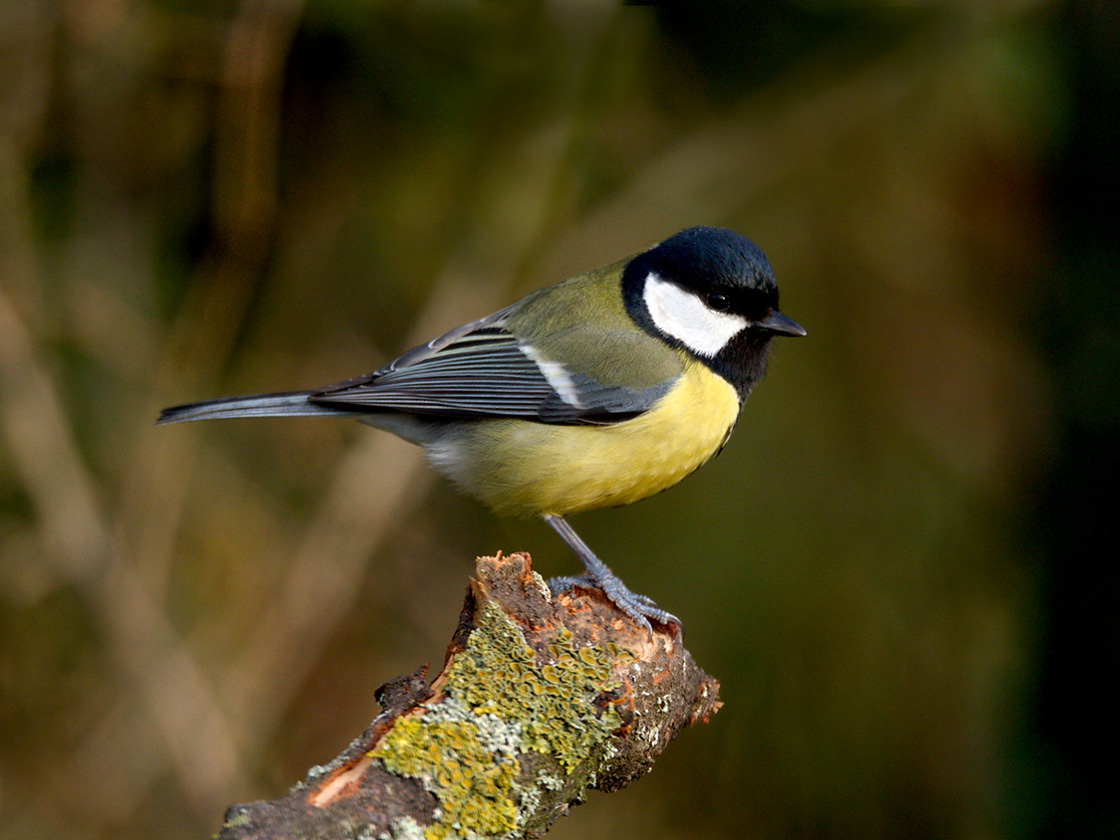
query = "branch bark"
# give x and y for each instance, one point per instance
(540, 698)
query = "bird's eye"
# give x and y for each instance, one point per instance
(718, 301)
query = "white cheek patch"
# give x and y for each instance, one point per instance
(557, 376)
(682, 315)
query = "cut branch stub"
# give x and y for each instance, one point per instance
(540, 697)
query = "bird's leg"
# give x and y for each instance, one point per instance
(558, 584)
(639, 607)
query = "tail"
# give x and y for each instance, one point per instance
(293, 404)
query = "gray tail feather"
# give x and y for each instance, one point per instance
(293, 404)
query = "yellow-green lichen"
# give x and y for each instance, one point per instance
(473, 784)
(498, 702)
(498, 674)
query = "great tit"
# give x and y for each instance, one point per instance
(600, 390)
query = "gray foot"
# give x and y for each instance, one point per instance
(640, 608)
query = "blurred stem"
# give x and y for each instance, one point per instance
(76, 541)
(129, 596)
(244, 201)
(46, 456)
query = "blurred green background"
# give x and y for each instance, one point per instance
(898, 568)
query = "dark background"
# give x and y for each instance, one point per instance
(899, 567)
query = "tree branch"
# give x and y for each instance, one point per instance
(540, 698)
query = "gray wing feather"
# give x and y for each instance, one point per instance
(294, 404)
(480, 370)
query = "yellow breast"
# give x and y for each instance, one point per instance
(522, 468)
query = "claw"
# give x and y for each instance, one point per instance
(640, 608)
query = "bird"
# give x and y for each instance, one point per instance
(597, 391)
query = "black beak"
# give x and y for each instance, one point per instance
(776, 322)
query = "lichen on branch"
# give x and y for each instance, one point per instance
(540, 698)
